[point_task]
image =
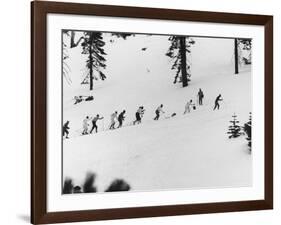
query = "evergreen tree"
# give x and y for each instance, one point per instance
(178, 49)
(246, 44)
(234, 130)
(248, 131)
(93, 47)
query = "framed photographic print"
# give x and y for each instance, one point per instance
(144, 112)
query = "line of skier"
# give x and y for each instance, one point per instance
(114, 117)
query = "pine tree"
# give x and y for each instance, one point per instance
(93, 47)
(248, 131)
(234, 130)
(180, 45)
(246, 44)
(236, 56)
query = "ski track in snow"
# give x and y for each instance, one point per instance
(186, 151)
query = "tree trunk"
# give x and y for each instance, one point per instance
(91, 68)
(236, 58)
(72, 40)
(91, 61)
(183, 61)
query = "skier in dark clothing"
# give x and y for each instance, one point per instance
(217, 105)
(121, 118)
(65, 129)
(94, 122)
(200, 97)
(139, 115)
(157, 111)
(89, 98)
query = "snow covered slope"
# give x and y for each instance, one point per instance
(186, 151)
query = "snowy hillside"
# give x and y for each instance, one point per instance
(186, 151)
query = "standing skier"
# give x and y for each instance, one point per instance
(158, 110)
(121, 118)
(112, 120)
(65, 129)
(217, 105)
(188, 106)
(200, 96)
(94, 122)
(85, 125)
(139, 115)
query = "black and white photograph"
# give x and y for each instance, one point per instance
(155, 112)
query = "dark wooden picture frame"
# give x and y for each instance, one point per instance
(39, 11)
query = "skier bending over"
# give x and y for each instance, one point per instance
(65, 129)
(121, 118)
(158, 110)
(85, 125)
(200, 96)
(78, 99)
(139, 115)
(188, 106)
(94, 122)
(217, 105)
(112, 120)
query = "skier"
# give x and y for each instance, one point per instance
(139, 115)
(121, 118)
(157, 111)
(85, 125)
(217, 105)
(171, 116)
(78, 99)
(200, 96)
(89, 98)
(187, 106)
(112, 118)
(94, 122)
(65, 129)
